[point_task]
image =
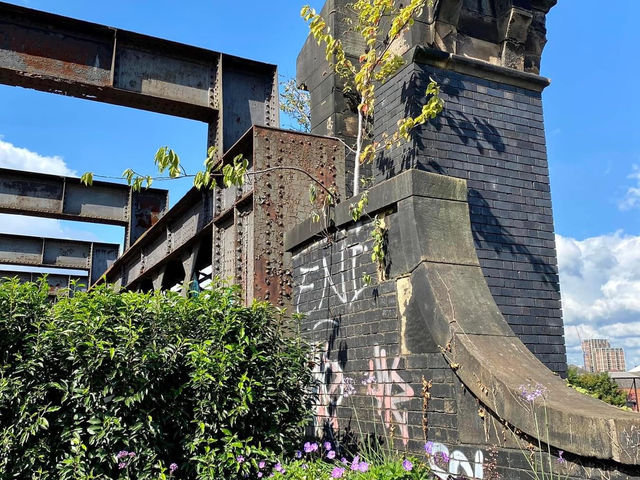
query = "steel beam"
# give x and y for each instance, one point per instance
(56, 281)
(94, 257)
(65, 198)
(58, 54)
(188, 221)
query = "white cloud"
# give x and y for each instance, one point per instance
(600, 283)
(632, 197)
(23, 159)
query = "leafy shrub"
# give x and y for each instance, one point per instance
(597, 385)
(121, 385)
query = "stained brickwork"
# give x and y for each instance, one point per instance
(492, 135)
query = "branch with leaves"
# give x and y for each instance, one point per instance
(232, 173)
(296, 103)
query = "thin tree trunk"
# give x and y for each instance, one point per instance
(356, 167)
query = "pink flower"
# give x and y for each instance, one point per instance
(337, 472)
(310, 447)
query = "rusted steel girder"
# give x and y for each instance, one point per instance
(94, 257)
(175, 234)
(65, 198)
(243, 228)
(56, 281)
(62, 55)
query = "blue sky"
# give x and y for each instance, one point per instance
(590, 112)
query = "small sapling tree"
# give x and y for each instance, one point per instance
(297, 104)
(377, 64)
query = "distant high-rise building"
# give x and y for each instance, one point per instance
(599, 356)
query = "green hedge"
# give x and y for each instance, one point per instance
(193, 382)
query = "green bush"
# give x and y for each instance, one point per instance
(597, 385)
(194, 382)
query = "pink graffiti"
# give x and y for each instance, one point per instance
(387, 397)
(330, 390)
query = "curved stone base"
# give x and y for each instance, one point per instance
(433, 327)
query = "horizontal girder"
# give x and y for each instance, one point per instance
(66, 198)
(94, 257)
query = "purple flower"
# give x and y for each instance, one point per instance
(441, 459)
(354, 464)
(278, 468)
(240, 459)
(122, 465)
(529, 393)
(337, 472)
(407, 465)
(305, 466)
(327, 445)
(122, 454)
(428, 448)
(262, 464)
(298, 454)
(347, 387)
(363, 467)
(368, 379)
(561, 459)
(132, 454)
(344, 460)
(310, 447)
(172, 468)
(259, 474)
(331, 454)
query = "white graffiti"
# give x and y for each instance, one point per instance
(389, 390)
(329, 383)
(347, 269)
(458, 463)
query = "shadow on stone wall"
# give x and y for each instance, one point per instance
(488, 231)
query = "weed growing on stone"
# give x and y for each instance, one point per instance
(541, 462)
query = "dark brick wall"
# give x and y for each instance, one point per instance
(355, 328)
(492, 135)
(368, 382)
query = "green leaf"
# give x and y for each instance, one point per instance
(87, 179)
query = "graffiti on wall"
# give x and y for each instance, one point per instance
(339, 281)
(338, 286)
(458, 463)
(390, 391)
